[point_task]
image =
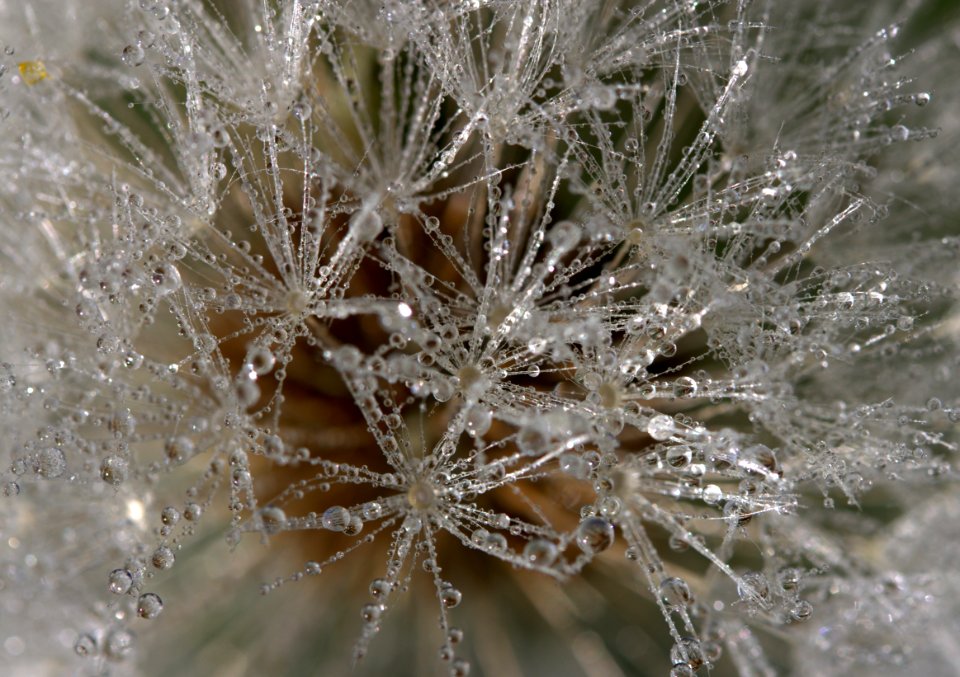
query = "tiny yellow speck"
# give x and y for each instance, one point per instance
(32, 72)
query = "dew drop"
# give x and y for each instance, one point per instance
(118, 644)
(675, 593)
(540, 552)
(50, 463)
(450, 597)
(261, 360)
(272, 519)
(163, 558)
(149, 605)
(660, 427)
(495, 542)
(119, 581)
(801, 611)
(380, 588)
(594, 535)
(371, 612)
(753, 587)
(132, 55)
(192, 512)
(335, 518)
(85, 645)
(712, 494)
(169, 516)
(372, 510)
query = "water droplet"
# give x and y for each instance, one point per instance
(380, 588)
(789, 578)
(712, 494)
(495, 542)
(687, 651)
(564, 236)
(118, 644)
(355, 526)
(166, 279)
(371, 510)
(460, 668)
(86, 645)
(192, 512)
(261, 360)
(801, 611)
(450, 597)
(335, 518)
(675, 593)
(169, 516)
(660, 427)
(50, 463)
(594, 535)
(113, 470)
(753, 587)
(540, 552)
(371, 612)
(272, 519)
(163, 557)
(132, 55)
(119, 581)
(149, 605)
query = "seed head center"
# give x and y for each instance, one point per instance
(422, 495)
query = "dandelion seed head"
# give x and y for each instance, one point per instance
(474, 295)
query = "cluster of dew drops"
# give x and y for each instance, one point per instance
(527, 372)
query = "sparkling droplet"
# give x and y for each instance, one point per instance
(86, 645)
(149, 605)
(272, 519)
(50, 463)
(801, 611)
(712, 494)
(594, 535)
(540, 552)
(192, 512)
(660, 427)
(371, 612)
(380, 588)
(675, 593)
(687, 651)
(335, 518)
(450, 597)
(118, 644)
(132, 55)
(163, 558)
(753, 587)
(495, 542)
(169, 516)
(372, 511)
(261, 360)
(119, 581)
